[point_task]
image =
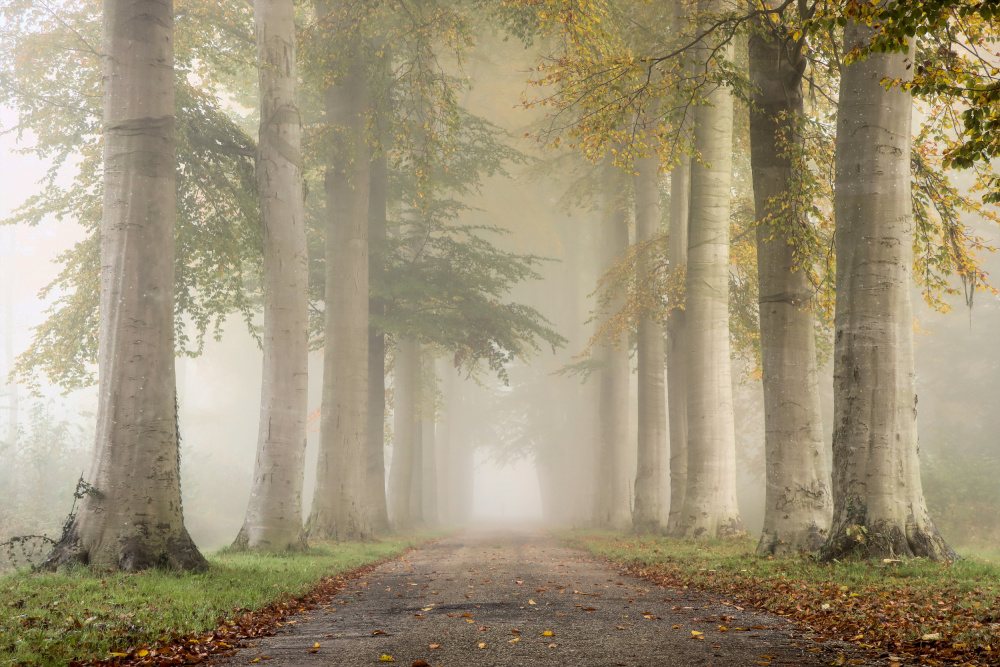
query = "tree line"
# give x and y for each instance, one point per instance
(342, 220)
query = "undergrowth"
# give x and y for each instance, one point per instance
(81, 615)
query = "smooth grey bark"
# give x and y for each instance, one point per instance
(447, 446)
(417, 468)
(680, 198)
(339, 509)
(134, 520)
(274, 514)
(405, 424)
(612, 505)
(710, 507)
(428, 441)
(375, 455)
(879, 509)
(649, 513)
(798, 505)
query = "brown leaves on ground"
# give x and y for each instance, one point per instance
(224, 640)
(872, 617)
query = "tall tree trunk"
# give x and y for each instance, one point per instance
(878, 503)
(446, 440)
(404, 432)
(416, 499)
(339, 510)
(710, 500)
(649, 515)
(274, 516)
(798, 505)
(680, 198)
(612, 507)
(376, 494)
(133, 521)
(428, 442)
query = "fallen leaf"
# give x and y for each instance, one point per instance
(386, 658)
(420, 663)
(434, 646)
(590, 608)
(548, 633)
(553, 645)
(376, 632)
(312, 650)
(316, 645)
(515, 639)
(481, 644)
(531, 602)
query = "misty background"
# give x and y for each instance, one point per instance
(526, 441)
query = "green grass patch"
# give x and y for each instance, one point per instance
(894, 606)
(78, 614)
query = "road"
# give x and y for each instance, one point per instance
(490, 598)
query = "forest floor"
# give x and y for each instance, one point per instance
(158, 617)
(487, 598)
(907, 611)
(510, 598)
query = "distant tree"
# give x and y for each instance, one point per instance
(650, 507)
(274, 515)
(132, 520)
(612, 501)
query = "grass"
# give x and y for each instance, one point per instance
(897, 607)
(54, 618)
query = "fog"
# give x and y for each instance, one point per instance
(529, 441)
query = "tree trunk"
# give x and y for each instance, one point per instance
(879, 509)
(376, 494)
(428, 443)
(612, 507)
(404, 432)
(339, 510)
(133, 521)
(416, 499)
(274, 514)
(680, 198)
(797, 506)
(710, 508)
(650, 486)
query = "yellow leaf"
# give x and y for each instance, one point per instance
(515, 639)
(548, 633)
(119, 655)
(481, 644)
(316, 645)
(531, 602)
(387, 658)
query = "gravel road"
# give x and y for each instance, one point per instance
(517, 597)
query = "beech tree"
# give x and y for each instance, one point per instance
(131, 519)
(879, 508)
(274, 514)
(797, 504)
(649, 513)
(710, 497)
(339, 510)
(612, 498)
